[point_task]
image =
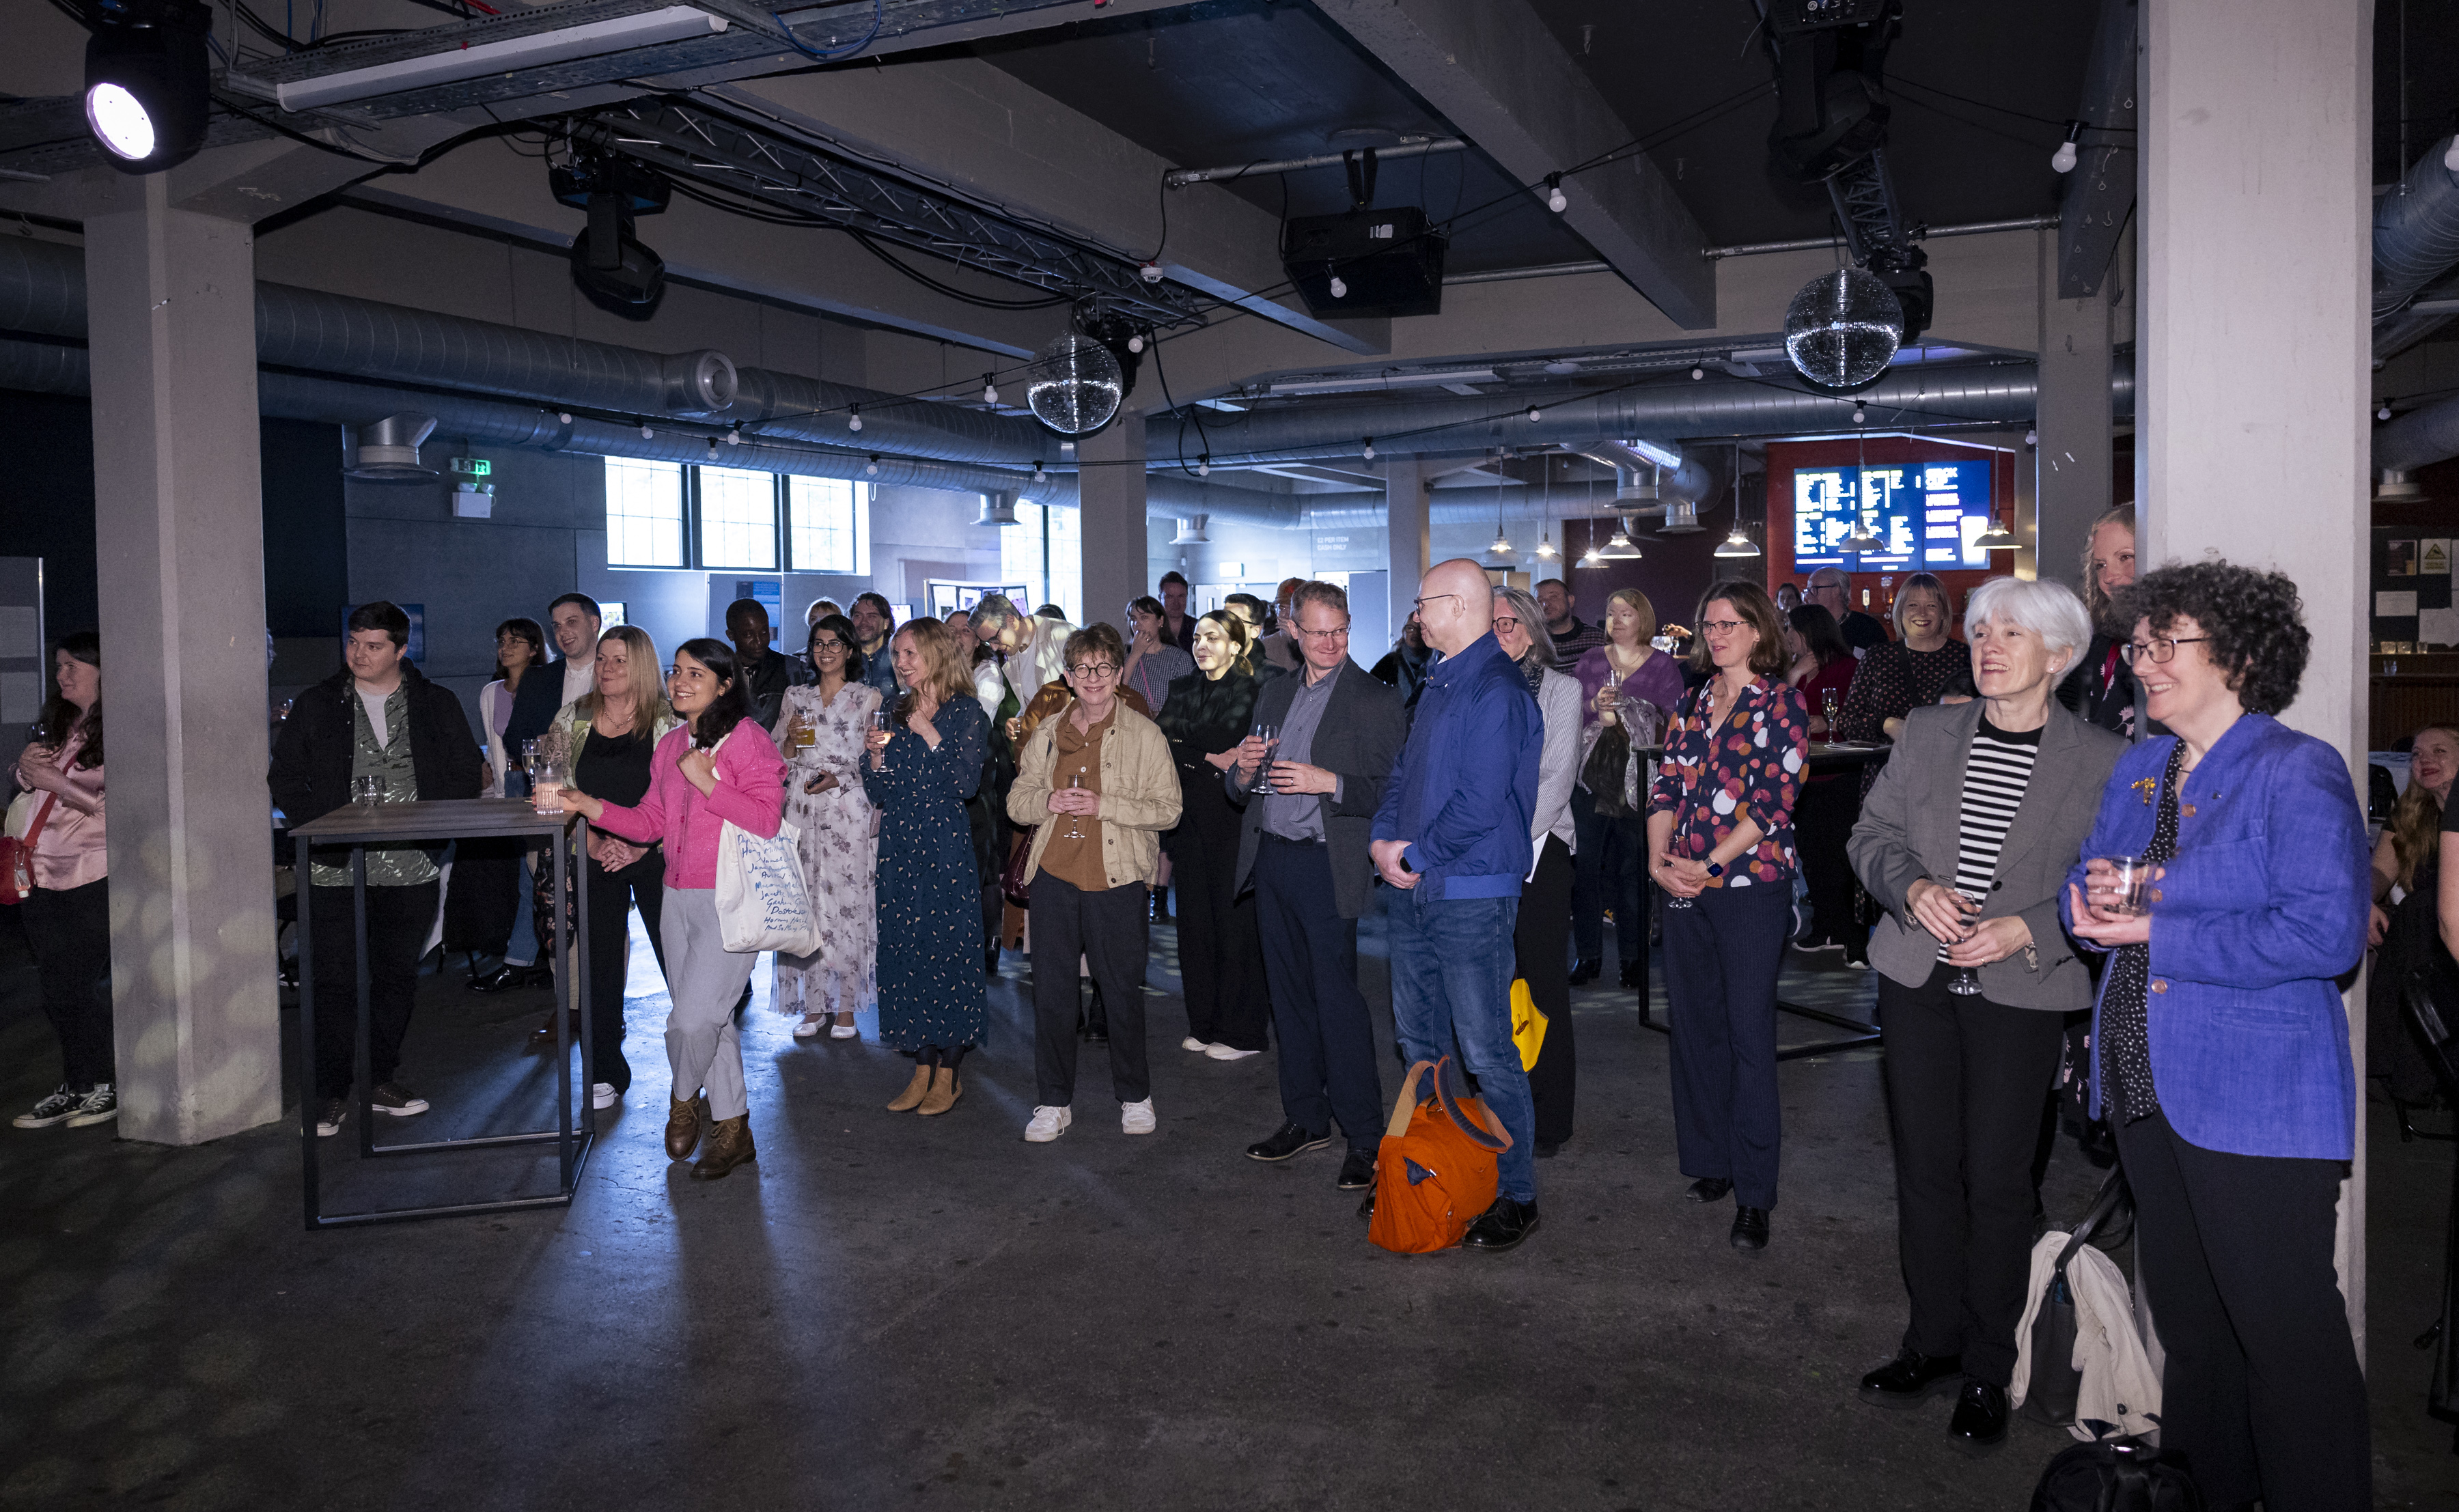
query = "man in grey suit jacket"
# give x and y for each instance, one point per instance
(1304, 845)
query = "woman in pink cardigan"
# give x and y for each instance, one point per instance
(694, 788)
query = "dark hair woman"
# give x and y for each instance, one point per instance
(695, 790)
(68, 908)
(2220, 1045)
(821, 729)
(1822, 668)
(1720, 845)
(1220, 956)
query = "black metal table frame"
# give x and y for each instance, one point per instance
(573, 1145)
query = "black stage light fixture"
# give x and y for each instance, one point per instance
(611, 265)
(145, 90)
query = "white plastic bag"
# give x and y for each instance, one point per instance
(761, 904)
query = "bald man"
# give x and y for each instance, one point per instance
(1451, 841)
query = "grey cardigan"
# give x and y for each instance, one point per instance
(1361, 737)
(1911, 829)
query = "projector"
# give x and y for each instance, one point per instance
(1366, 262)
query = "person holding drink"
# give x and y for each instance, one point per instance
(1965, 841)
(718, 767)
(823, 730)
(1609, 856)
(1220, 960)
(67, 909)
(2220, 1050)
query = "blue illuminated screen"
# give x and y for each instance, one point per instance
(1925, 514)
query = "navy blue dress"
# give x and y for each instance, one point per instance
(930, 988)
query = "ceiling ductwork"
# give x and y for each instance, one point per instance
(2416, 241)
(385, 450)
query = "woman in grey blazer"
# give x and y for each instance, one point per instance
(1966, 840)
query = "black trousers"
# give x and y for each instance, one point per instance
(1328, 1071)
(399, 920)
(1539, 938)
(612, 896)
(1110, 929)
(1964, 1081)
(1220, 956)
(1823, 822)
(2261, 1395)
(1608, 869)
(69, 931)
(1721, 959)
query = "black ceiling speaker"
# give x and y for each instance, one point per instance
(612, 266)
(146, 98)
(1366, 262)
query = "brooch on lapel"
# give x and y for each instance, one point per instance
(2147, 788)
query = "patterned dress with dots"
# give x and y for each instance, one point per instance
(2125, 1010)
(931, 989)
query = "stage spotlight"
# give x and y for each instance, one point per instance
(145, 95)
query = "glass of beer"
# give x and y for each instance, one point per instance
(547, 777)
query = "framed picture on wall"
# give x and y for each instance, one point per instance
(946, 596)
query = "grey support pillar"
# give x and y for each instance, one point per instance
(2252, 358)
(2074, 457)
(179, 531)
(1410, 535)
(1111, 534)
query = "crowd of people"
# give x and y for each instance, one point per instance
(2033, 881)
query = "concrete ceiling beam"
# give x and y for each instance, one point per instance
(1493, 70)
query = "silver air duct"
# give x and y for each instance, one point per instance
(385, 450)
(2416, 241)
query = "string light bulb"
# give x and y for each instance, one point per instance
(1555, 200)
(712, 448)
(1546, 551)
(1535, 415)
(1136, 341)
(647, 432)
(1339, 289)
(1860, 414)
(854, 418)
(1204, 465)
(871, 469)
(1697, 373)
(734, 438)
(990, 388)
(2064, 158)
(1038, 475)
(1370, 449)
(2382, 413)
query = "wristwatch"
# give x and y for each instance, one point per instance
(1715, 869)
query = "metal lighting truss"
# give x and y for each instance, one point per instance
(690, 143)
(1864, 195)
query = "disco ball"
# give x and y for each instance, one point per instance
(1842, 328)
(1074, 385)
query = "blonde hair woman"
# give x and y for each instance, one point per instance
(1610, 852)
(919, 771)
(610, 733)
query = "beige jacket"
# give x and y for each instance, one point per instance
(1140, 795)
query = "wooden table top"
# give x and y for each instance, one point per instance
(436, 819)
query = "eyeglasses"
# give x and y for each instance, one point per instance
(1340, 634)
(1722, 626)
(2158, 652)
(1431, 599)
(1505, 622)
(818, 647)
(1094, 671)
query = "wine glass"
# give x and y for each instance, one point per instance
(1830, 704)
(1270, 735)
(1075, 830)
(1673, 899)
(1967, 980)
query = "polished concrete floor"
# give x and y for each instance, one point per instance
(889, 1311)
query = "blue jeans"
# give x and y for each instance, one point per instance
(1451, 981)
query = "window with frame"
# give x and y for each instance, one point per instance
(1025, 553)
(644, 514)
(738, 518)
(827, 526)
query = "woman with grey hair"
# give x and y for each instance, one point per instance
(1541, 937)
(1965, 841)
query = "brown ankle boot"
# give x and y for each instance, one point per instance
(943, 1092)
(914, 1090)
(685, 1119)
(730, 1145)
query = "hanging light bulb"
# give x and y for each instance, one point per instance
(1502, 546)
(2064, 158)
(1554, 198)
(734, 438)
(1370, 449)
(1136, 342)
(1038, 475)
(1737, 545)
(712, 448)
(1592, 559)
(1546, 551)
(2031, 438)
(1860, 414)
(1535, 415)
(563, 417)
(854, 418)
(647, 433)
(1997, 537)
(872, 468)
(990, 388)
(1204, 465)
(2382, 413)
(1339, 289)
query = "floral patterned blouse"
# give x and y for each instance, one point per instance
(1750, 768)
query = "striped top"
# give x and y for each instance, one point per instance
(1995, 775)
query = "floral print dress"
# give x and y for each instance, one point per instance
(1750, 767)
(838, 851)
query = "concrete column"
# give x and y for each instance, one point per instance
(179, 526)
(2253, 357)
(1410, 536)
(2072, 461)
(1111, 534)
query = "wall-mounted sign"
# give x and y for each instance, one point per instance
(1926, 514)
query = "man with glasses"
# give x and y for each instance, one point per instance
(1830, 589)
(1451, 838)
(1303, 844)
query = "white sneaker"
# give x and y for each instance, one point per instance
(1048, 1123)
(602, 1095)
(1136, 1118)
(810, 1026)
(1193, 1046)
(1223, 1052)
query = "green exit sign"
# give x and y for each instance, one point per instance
(475, 466)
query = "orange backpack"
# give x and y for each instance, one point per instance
(1436, 1169)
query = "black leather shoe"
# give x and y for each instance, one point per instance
(1586, 972)
(1358, 1170)
(1750, 1233)
(1979, 1421)
(1633, 975)
(1502, 1227)
(1708, 1189)
(1910, 1378)
(504, 979)
(1287, 1141)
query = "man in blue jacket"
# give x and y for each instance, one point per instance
(1451, 837)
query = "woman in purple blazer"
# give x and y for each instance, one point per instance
(2220, 1045)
